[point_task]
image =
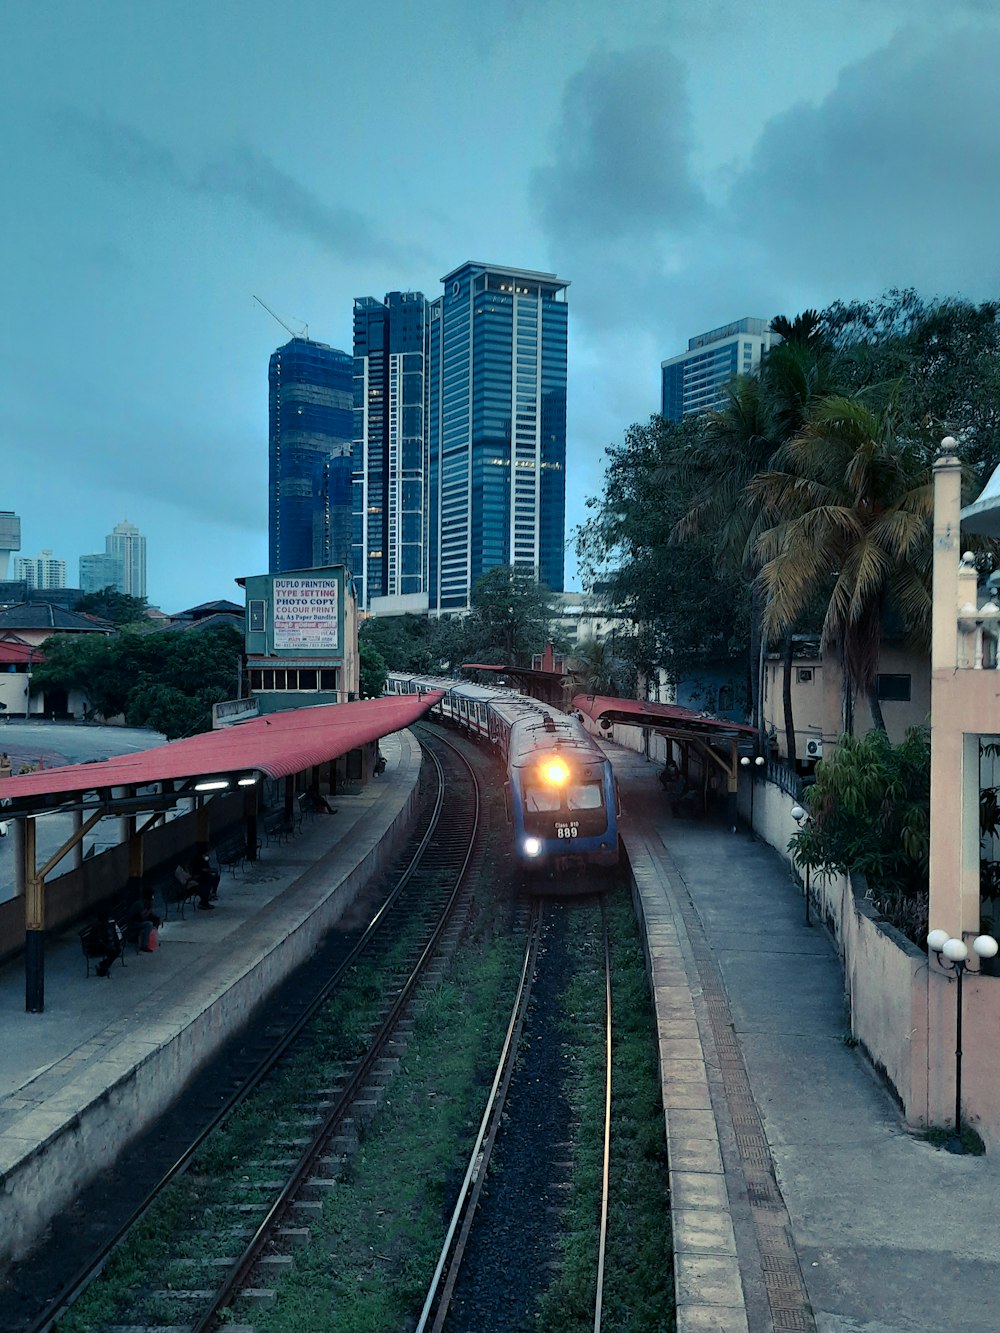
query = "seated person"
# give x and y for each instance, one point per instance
(207, 880)
(318, 801)
(102, 941)
(141, 921)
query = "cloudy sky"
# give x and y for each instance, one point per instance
(682, 162)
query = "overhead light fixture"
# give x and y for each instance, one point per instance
(212, 784)
(249, 780)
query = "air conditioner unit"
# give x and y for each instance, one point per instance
(814, 749)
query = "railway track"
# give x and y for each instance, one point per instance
(229, 1211)
(434, 1316)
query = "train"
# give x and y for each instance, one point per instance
(560, 791)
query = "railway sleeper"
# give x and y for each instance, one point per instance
(295, 1237)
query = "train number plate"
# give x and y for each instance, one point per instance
(567, 830)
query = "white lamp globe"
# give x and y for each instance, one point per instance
(937, 939)
(798, 813)
(744, 762)
(759, 761)
(985, 946)
(955, 951)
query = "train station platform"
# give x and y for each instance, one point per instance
(110, 1053)
(799, 1200)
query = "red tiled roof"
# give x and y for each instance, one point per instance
(12, 650)
(276, 745)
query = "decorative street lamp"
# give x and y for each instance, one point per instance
(754, 765)
(803, 818)
(956, 952)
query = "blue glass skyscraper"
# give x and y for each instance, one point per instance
(389, 539)
(496, 429)
(310, 397)
(693, 382)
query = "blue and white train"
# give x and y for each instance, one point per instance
(561, 794)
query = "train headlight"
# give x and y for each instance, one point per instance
(532, 846)
(555, 772)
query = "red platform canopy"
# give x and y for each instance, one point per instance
(662, 717)
(276, 745)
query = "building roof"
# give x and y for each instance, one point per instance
(14, 651)
(661, 717)
(219, 607)
(277, 745)
(43, 615)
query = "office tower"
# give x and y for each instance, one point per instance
(496, 429)
(693, 382)
(127, 543)
(309, 402)
(390, 456)
(101, 570)
(41, 571)
(10, 538)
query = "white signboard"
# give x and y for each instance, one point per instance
(305, 614)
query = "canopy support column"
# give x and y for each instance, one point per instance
(34, 925)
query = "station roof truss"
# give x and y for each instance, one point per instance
(708, 735)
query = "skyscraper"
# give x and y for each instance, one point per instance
(101, 570)
(390, 454)
(693, 381)
(127, 543)
(496, 428)
(40, 571)
(10, 538)
(310, 396)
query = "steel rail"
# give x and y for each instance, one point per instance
(602, 1242)
(239, 1272)
(464, 1211)
(72, 1291)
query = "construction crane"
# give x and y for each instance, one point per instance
(302, 333)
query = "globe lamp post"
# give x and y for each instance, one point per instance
(753, 767)
(953, 956)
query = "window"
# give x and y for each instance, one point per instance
(895, 689)
(804, 675)
(585, 797)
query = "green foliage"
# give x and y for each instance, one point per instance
(110, 604)
(870, 809)
(599, 668)
(372, 670)
(510, 617)
(167, 680)
(686, 608)
(422, 644)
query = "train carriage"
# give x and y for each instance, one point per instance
(561, 796)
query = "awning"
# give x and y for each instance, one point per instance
(662, 717)
(276, 745)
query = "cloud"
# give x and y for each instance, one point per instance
(621, 160)
(242, 173)
(890, 180)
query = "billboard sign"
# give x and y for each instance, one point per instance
(306, 614)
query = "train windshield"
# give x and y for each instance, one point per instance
(577, 796)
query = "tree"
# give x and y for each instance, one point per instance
(687, 611)
(598, 668)
(851, 506)
(870, 809)
(510, 617)
(167, 680)
(421, 644)
(372, 671)
(117, 607)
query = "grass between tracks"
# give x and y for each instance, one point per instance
(638, 1276)
(372, 1254)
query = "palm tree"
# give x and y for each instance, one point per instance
(596, 668)
(759, 414)
(850, 507)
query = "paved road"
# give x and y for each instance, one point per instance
(53, 744)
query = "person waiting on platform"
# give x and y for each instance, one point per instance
(318, 801)
(142, 921)
(207, 880)
(101, 940)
